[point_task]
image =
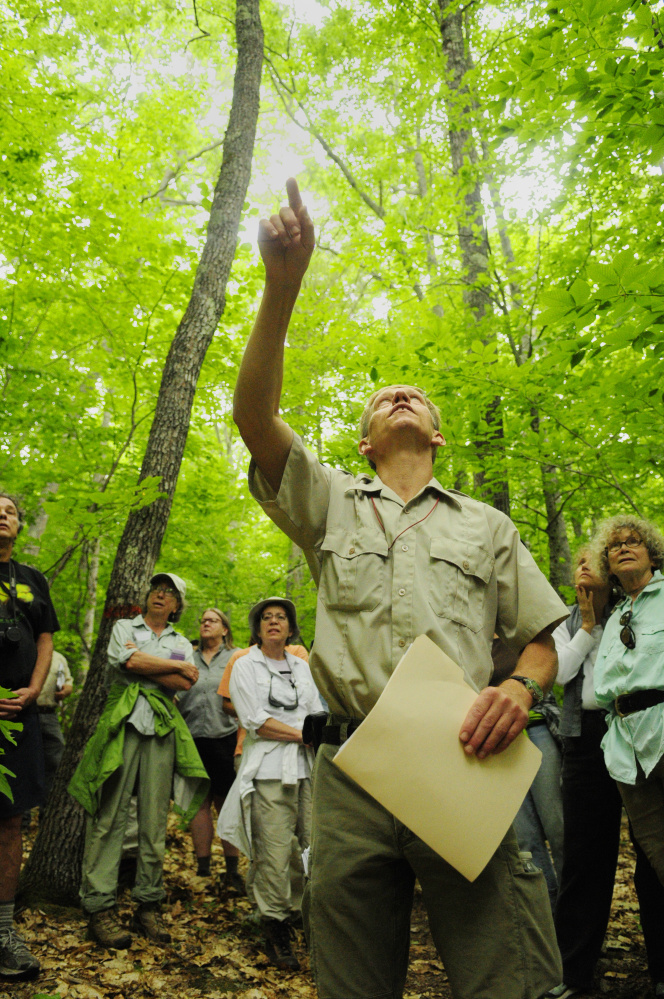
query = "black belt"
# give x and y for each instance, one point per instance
(336, 735)
(627, 704)
(45, 710)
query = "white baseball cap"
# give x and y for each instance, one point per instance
(177, 582)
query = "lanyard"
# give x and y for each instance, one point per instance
(11, 591)
(378, 518)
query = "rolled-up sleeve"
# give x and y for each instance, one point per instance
(246, 697)
(300, 507)
(527, 603)
(117, 654)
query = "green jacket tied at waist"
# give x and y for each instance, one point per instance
(103, 753)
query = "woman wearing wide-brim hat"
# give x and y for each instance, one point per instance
(272, 692)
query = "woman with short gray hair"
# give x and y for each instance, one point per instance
(629, 676)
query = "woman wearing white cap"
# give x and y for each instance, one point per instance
(272, 692)
(139, 741)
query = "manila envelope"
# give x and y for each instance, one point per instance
(407, 755)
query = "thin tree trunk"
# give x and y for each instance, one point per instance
(473, 236)
(53, 870)
(91, 559)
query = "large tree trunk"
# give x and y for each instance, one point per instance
(473, 236)
(53, 869)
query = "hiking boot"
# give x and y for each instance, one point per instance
(16, 961)
(149, 921)
(277, 934)
(107, 930)
(232, 883)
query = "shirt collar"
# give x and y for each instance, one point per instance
(373, 485)
(654, 583)
(139, 621)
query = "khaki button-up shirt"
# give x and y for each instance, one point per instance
(443, 565)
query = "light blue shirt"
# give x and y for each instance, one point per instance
(142, 636)
(619, 670)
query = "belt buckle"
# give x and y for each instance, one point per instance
(616, 705)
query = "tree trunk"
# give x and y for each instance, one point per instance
(91, 558)
(473, 236)
(53, 869)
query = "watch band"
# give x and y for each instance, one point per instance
(532, 686)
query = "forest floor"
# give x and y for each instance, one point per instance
(216, 954)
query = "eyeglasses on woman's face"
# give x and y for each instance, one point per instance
(168, 591)
(631, 542)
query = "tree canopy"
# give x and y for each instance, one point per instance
(536, 129)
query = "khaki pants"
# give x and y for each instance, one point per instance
(495, 935)
(644, 802)
(278, 813)
(148, 759)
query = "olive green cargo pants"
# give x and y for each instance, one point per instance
(495, 935)
(150, 760)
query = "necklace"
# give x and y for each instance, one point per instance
(378, 518)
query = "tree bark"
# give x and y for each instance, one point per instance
(53, 869)
(473, 235)
(90, 558)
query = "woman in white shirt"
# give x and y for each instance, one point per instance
(272, 692)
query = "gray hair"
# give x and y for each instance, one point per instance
(648, 532)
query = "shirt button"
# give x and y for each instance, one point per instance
(401, 643)
(402, 592)
(351, 551)
(404, 548)
(466, 565)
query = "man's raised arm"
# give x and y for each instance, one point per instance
(286, 242)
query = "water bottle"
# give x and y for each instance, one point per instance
(60, 678)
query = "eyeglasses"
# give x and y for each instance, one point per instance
(627, 636)
(168, 591)
(630, 542)
(274, 617)
(275, 702)
(211, 620)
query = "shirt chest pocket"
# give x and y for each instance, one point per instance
(460, 573)
(353, 573)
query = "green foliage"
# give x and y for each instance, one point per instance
(109, 147)
(6, 729)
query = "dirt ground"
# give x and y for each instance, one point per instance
(216, 952)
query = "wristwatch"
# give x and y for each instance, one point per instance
(532, 686)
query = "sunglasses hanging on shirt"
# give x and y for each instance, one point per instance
(627, 636)
(275, 702)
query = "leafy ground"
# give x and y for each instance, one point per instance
(216, 954)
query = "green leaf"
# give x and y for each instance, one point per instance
(580, 292)
(601, 273)
(557, 298)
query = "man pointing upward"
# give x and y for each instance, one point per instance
(394, 556)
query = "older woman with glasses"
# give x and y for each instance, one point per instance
(272, 692)
(629, 677)
(215, 735)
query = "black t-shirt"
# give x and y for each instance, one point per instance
(35, 615)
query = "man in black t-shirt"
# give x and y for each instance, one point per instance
(27, 623)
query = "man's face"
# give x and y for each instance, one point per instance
(9, 522)
(399, 410)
